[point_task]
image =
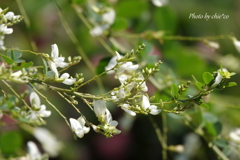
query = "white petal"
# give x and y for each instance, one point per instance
(144, 87)
(159, 3)
(9, 15)
(112, 63)
(154, 110)
(33, 151)
(108, 117)
(237, 44)
(45, 113)
(54, 52)
(34, 99)
(145, 103)
(122, 78)
(60, 62)
(118, 55)
(79, 133)
(129, 112)
(82, 121)
(99, 107)
(109, 17)
(96, 31)
(113, 123)
(86, 130)
(17, 74)
(65, 75)
(121, 93)
(74, 124)
(69, 81)
(53, 67)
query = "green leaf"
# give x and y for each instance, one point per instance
(119, 24)
(23, 65)
(14, 55)
(199, 85)
(102, 64)
(10, 142)
(207, 77)
(7, 59)
(45, 66)
(131, 8)
(210, 117)
(231, 84)
(220, 143)
(174, 91)
(50, 74)
(204, 105)
(227, 150)
(165, 19)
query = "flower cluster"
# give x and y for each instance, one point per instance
(107, 19)
(57, 61)
(78, 126)
(6, 20)
(129, 95)
(107, 125)
(37, 111)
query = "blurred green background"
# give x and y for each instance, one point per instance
(183, 58)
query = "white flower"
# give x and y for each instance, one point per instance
(113, 62)
(127, 66)
(109, 17)
(59, 61)
(68, 81)
(126, 107)
(5, 30)
(236, 44)
(143, 86)
(159, 3)
(99, 108)
(38, 109)
(146, 106)
(78, 126)
(49, 142)
(213, 45)
(11, 16)
(33, 152)
(97, 31)
(219, 77)
(235, 135)
(2, 43)
(56, 61)
(109, 120)
(122, 78)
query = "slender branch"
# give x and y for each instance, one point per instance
(78, 11)
(27, 22)
(158, 132)
(79, 48)
(54, 107)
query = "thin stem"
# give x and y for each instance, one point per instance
(165, 129)
(54, 107)
(27, 22)
(69, 102)
(16, 94)
(78, 11)
(79, 49)
(219, 152)
(160, 136)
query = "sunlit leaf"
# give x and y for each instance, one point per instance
(7, 59)
(23, 65)
(174, 91)
(207, 77)
(45, 66)
(204, 105)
